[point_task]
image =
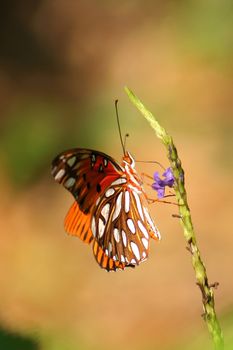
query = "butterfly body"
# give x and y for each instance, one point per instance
(110, 208)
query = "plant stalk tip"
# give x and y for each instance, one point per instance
(207, 291)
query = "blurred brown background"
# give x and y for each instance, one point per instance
(62, 65)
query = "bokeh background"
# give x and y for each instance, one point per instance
(62, 65)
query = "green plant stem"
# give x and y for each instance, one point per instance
(207, 291)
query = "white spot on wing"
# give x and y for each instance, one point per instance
(97, 202)
(124, 238)
(133, 261)
(135, 250)
(71, 161)
(145, 243)
(138, 203)
(105, 211)
(127, 201)
(69, 182)
(109, 192)
(143, 229)
(118, 207)
(122, 259)
(101, 228)
(119, 181)
(59, 175)
(131, 225)
(93, 227)
(116, 235)
(144, 255)
(106, 252)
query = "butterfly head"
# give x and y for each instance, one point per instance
(128, 160)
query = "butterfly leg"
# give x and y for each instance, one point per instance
(178, 216)
(144, 175)
(153, 200)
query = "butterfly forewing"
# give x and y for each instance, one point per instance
(85, 173)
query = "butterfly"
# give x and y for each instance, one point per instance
(110, 209)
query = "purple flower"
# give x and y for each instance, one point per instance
(160, 184)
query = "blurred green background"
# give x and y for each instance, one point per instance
(62, 65)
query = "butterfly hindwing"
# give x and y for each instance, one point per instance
(78, 224)
(120, 224)
(105, 261)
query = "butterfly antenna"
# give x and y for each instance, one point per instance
(125, 139)
(119, 127)
(150, 161)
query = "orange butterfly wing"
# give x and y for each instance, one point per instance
(78, 224)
